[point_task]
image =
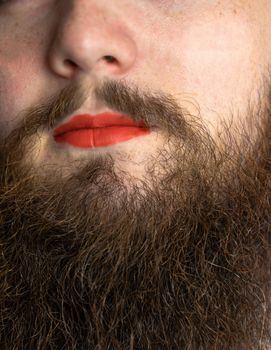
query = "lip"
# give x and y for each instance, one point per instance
(101, 130)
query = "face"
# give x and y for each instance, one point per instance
(212, 58)
(135, 145)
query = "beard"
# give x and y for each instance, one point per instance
(177, 260)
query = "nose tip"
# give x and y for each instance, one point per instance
(92, 45)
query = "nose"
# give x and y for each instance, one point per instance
(90, 39)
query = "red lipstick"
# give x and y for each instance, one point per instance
(101, 130)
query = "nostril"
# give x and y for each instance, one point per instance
(110, 59)
(70, 63)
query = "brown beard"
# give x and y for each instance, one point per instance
(182, 264)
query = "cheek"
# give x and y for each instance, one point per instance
(15, 81)
(20, 82)
(22, 69)
(218, 57)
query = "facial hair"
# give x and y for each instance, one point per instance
(180, 260)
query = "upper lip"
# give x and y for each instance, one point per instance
(102, 120)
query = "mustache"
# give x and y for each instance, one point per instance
(154, 109)
(151, 108)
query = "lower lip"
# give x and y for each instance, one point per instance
(100, 137)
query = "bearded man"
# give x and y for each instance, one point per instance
(135, 174)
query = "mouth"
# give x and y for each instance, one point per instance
(101, 130)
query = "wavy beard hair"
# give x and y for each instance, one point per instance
(183, 264)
